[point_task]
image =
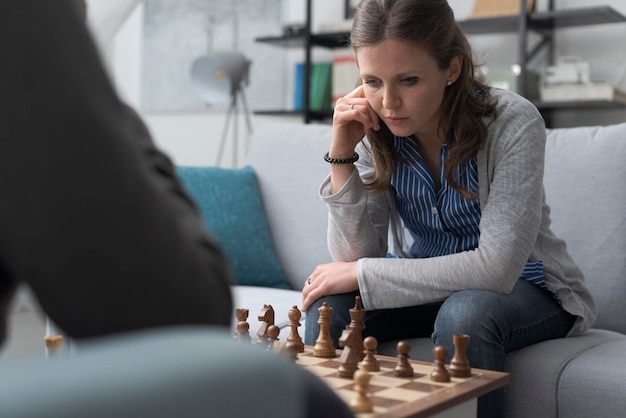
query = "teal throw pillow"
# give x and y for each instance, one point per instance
(231, 207)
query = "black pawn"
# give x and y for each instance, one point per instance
(403, 368)
(440, 373)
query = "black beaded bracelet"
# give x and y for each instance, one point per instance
(353, 159)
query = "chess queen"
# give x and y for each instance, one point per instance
(437, 214)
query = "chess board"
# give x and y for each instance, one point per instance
(392, 396)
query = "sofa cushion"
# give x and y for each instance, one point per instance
(592, 384)
(537, 373)
(288, 161)
(231, 208)
(584, 171)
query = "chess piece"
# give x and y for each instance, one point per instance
(403, 368)
(361, 403)
(440, 373)
(290, 352)
(272, 333)
(349, 359)
(294, 340)
(459, 365)
(242, 331)
(324, 346)
(53, 345)
(357, 324)
(266, 317)
(370, 362)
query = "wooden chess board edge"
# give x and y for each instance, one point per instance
(481, 383)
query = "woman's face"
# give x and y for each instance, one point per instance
(404, 86)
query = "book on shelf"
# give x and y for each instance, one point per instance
(582, 92)
(345, 73)
(298, 91)
(320, 88)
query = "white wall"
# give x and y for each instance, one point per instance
(193, 138)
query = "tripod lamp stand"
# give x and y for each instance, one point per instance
(219, 78)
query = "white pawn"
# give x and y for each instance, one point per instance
(361, 403)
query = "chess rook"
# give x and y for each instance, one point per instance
(242, 332)
(459, 365)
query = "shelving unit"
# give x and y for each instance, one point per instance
(307, 40)
(542, 23)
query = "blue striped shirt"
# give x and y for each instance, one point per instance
(442, 222)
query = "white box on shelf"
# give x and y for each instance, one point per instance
(581, 92)
(568, 70)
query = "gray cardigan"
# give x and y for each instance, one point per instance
(514, 227)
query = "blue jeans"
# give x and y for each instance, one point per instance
(497, 323)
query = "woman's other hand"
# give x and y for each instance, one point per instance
(329, 279)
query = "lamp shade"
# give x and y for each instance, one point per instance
(217, 77)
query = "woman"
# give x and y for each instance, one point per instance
(437, 216)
